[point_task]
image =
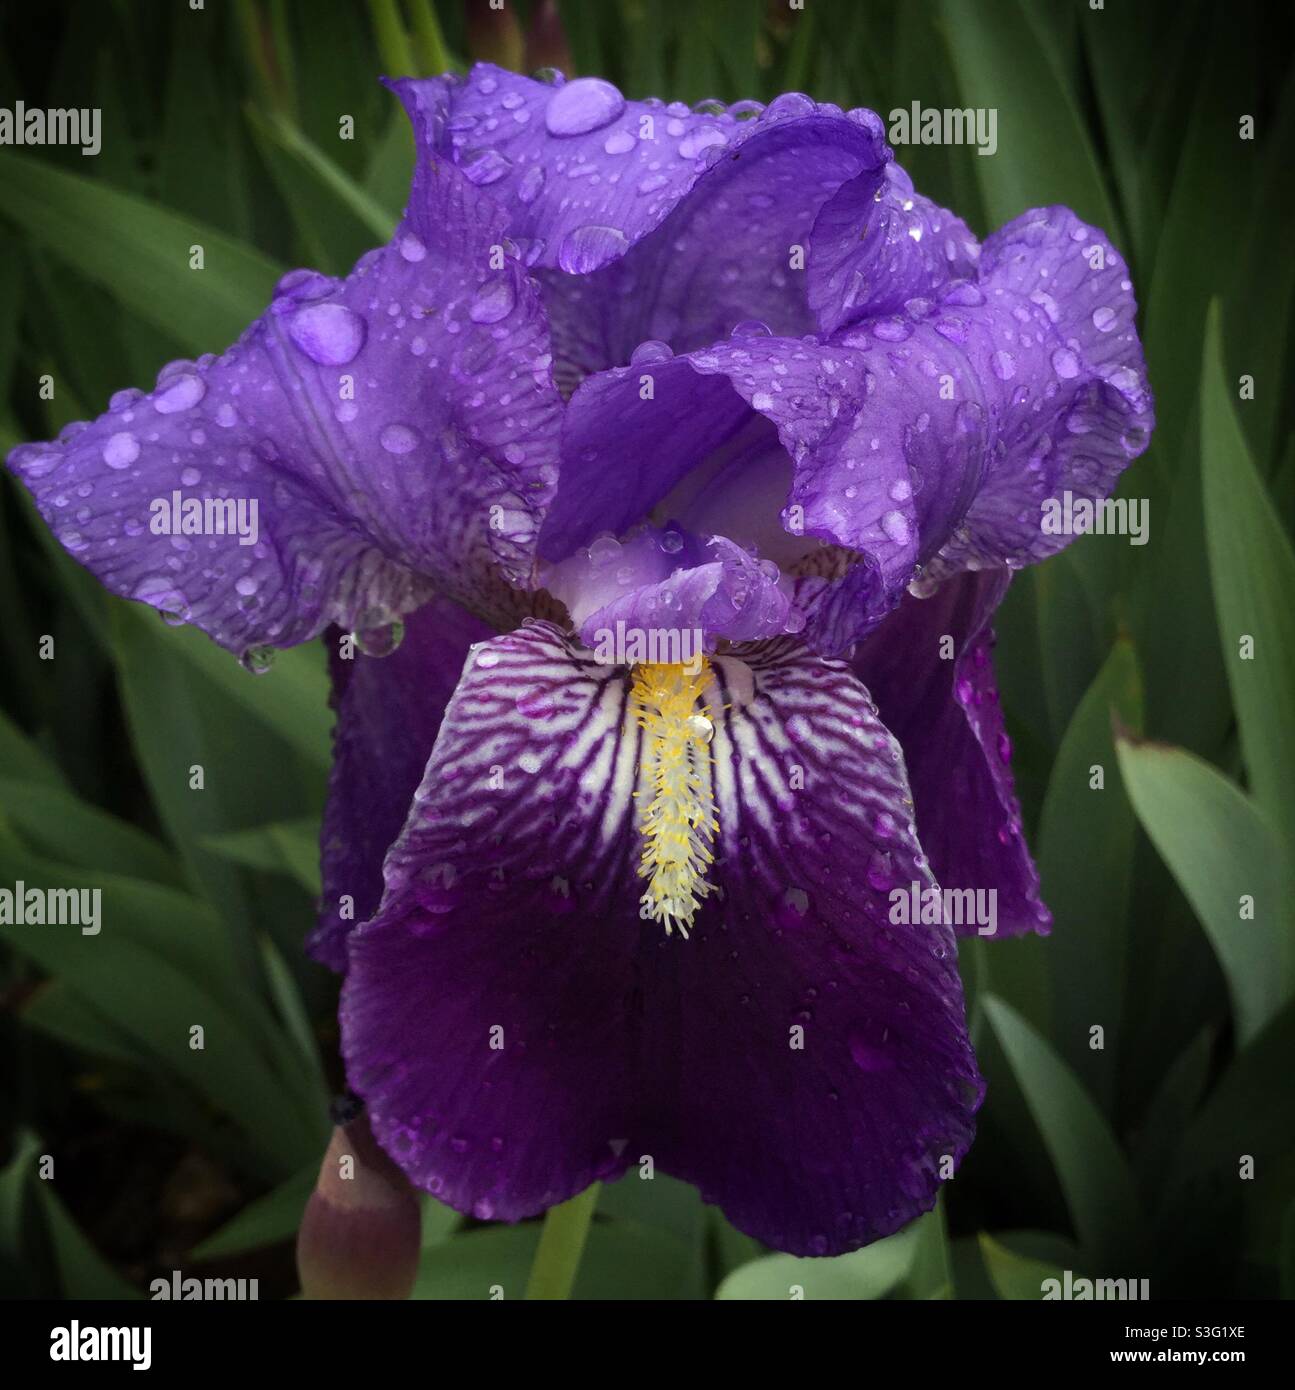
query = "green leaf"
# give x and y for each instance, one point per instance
(59, 824)
(266, 1221)
(1045, 154)
(622, 1260)
(1243, 1114)
(863, 1274)
(291, 698)
(140, 253)
(336, 218)
(1014, 1275)
(82, 1270)
(157, 968)
(1252, 567)
(288, 847)
(22, 760)
(1221, 849)
(1085, 844)
(1089, 1164)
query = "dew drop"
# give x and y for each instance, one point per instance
(588, 248)
(330, 334)
(181, 393)
(398, 439)
(493, 301)
(121, 450)
(586, 104)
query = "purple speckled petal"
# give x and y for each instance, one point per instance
(874, 251)
(396, 431)
(1056, 347)
(389, 709)
(517, 1031)
(929, 669)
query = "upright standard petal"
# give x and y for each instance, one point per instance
(874, 250)
(519, 1029)
(1074, 408)
(654, 221)
(929, 669)
(363, 442)
(766, 441)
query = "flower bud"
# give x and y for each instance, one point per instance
(360, 1234)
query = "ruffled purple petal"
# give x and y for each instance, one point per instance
(389, 710)
(678, 223)
(873, 250)
(518, 1031)
(1056, 345)
(668, 586)
(929, 669)
(395, 431)
(764, 440)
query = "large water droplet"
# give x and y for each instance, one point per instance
(330, 334)
(121, 450)
(1065, 363)
(493, 301)
(257, 660)
(586, 104)
(180, 393)
(528, 187)
(591, 247)
(381, 639)
(895, 525)
(398, 439)
(485, 166)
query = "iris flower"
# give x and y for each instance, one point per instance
(691, 450)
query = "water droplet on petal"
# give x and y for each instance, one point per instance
(895, 525)
(591, 247)
(257, 660)
(121, 450)
(581, 106)
(528, 189)
(1065, 363)
(398, 439)
(180, 393)
(412, 249)
(619, 142)
(651, 351)
(330, 334)
(493, 301)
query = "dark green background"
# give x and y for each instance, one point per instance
(221, 128)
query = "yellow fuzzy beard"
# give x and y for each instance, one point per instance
(676, 804)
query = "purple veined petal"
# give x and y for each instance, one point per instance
(518, 1030)
(486, 1014)
(364, 442)
(661, 585)
(929, 668)
(648, 221)
(389, 710)
(766, 441)
(1055, 342)
(874, 250)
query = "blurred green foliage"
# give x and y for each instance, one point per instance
(221, 126)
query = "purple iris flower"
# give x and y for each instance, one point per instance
(694, 450)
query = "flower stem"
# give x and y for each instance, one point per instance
(562, 1242)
